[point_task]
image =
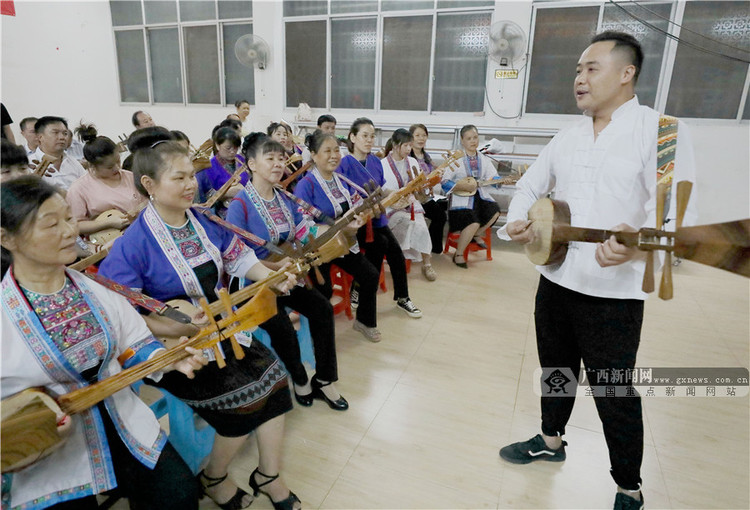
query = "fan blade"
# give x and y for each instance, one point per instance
(683, 196)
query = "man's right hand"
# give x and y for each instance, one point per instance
(520, 231)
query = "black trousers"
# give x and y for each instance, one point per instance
(319, 312)
(384, 244)
(365, 275)
(436, 212)
(169, 486)
(603, 333)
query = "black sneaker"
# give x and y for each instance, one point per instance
(354, 298)
(531, 450)
(408, 307)
(625, 502)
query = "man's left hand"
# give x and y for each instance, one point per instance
(612, 253)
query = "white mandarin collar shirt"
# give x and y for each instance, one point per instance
(606, 181)
(69, 170)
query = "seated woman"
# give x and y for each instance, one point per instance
(279, 133)
(361, 167)
(62, 331)
(223, 165)
(171, 252)
(406, 217)
(105, 186)
(434, 209)
(272, 216)
(13, 161)
(325, 190)
(474, 214)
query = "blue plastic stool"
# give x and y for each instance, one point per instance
(191, 442)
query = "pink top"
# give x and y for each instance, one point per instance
(89, 197)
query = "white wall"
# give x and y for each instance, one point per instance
(58, 58)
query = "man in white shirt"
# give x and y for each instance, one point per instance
(142, 120)
(590, 307)
(27, 131)
(53, 138)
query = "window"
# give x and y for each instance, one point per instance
(693, 91)
(306, 63)
(131, 64)
(353, 46)
(190, 51)
(390, 44)
(676, 78)
(405, 82)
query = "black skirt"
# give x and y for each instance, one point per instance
(238, 398)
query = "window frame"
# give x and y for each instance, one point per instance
(179, 25)
(667, 66)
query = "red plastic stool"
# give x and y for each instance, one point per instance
(341, 281)
(452, 239)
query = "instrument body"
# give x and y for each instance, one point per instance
(475, 184)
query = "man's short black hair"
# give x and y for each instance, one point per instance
(627, 43)
(26, 120)
(134, 120)
(45, 121)
(326, 118)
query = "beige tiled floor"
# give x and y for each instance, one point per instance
(432, 403)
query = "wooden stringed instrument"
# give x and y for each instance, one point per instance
(301, 170)
(721, 245)
(28, 431)
(201, 157)
(103, 236)
(292, 159)
(475, 184)
(43, 166)
(234, 179)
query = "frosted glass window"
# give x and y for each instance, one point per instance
(406, 63)
(652, 41)
(560, 36)
(126, 12)
(354, 44)
(166, 76)
(202, 63)
(305, 7)
(353, 6)
(197, 10)
(160, 11)
(306, 63)
(460, 62)
(231, 9)
(131, 66)
(239, 81)
(445, 4)
(704, 85)
(404, 5)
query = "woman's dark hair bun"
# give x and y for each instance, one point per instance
(86, 132)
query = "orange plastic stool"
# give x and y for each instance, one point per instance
(341, 281)
(452, 239)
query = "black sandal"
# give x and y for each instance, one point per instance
(284, 504)
(234, 503)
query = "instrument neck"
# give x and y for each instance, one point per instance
(566, 233)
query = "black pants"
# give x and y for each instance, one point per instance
(169, 486)
(435, 211)
(319, 312)
(385, 244)
(604, 333)
(365, 275)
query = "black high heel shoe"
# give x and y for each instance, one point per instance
(234, 503)
(284, 504)
(303, 400)
(340, 404)
(463, 264)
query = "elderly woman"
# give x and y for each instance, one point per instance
(172, 252)
(62, 331)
